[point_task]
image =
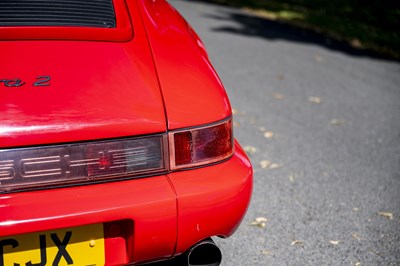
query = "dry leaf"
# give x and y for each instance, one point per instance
(337, 122)
(318, 58)
(297, 242)
(278, 96)
(262, 225)
(356, 236)
(334, 242)
(265, 163)
(250, 149)
(357, 263)
(314, 99)
(259, 221)
(268, 134)
(266, 252)
(274, 166)
(388, 215)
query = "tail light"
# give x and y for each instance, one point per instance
(39, 167)
(24, 168)
(199, 146)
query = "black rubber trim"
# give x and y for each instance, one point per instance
(76, 13)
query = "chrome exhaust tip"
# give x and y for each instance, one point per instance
(204, 253)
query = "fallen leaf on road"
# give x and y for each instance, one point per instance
(388, 215)
(278, 96)
(250, 149)
(268, 134)
(259, 221)
(337, 122)
(265, 163)
(266, 252)
(318, 58)
(274, 166)
(357, 264)
(334, 242)
(296, 242)
(314, 99)
(356, 236)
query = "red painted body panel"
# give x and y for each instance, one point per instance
(183, 68)
(149, 203)
(186, 206)
(97, 90)
(212, 205)
(111, 84)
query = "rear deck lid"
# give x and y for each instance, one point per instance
(61, 86)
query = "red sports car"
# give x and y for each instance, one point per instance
(116, 142)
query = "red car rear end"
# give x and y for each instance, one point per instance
(116, 143)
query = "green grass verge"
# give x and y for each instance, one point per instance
(372, 24)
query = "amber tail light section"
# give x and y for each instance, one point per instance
(200, 146)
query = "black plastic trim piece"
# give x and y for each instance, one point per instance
(71, 13)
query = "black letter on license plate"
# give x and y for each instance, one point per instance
(62, 252)
(43, 257)
(6, 242)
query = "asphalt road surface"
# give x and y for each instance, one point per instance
(321, 124)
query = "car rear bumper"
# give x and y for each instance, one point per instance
(160, 216)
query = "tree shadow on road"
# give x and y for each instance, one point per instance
(272, 30)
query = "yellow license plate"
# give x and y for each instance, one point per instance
(81, 246)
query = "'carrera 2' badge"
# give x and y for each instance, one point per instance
(40, 82)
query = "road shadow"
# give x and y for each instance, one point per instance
(256, 26)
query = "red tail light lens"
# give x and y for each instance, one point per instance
(198, 146)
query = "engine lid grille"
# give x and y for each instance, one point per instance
(75, 13)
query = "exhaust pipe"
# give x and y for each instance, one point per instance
(204, 253)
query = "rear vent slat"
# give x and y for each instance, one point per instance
(82, 13)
